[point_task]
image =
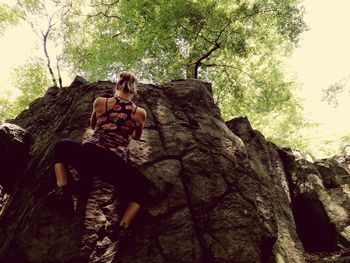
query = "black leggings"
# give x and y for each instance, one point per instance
(90, 160)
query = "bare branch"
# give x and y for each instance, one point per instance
(197, 34)
(103, 14)
(116, 34)
(58, 59)
(198, 63)
(251, 76)
(26, 18)
(106, 4)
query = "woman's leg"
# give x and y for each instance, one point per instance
(136, 184)
(61, 174)
(131, 184)
(66, 151)
(129, 214)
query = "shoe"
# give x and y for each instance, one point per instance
(55, 193)
(124, 239)
(124, 233)
(124, 244)
(121, 233)
(60, 192)
(60, 198)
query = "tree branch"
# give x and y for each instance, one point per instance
(58, 59)
(231, 66)
(104, 14)
(198, 63)
(116, 35)
(197, 34)
(104, 4)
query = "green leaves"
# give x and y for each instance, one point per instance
(32, 81)
(236, 45)
(330, 95)
(7, 16)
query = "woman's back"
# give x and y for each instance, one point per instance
(115, 126)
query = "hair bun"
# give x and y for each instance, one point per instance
(127, 76)
(129, 82)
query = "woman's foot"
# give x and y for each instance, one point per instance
(124, 232)
(60, 198)
(120, 233)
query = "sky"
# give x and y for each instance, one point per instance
(323, 55)
(322, 58)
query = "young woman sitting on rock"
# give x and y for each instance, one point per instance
(115, 121)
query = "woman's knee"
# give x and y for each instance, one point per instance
(139, 189)
(63, 148)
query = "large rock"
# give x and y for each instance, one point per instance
(14, 154)
(321, 203)
(273, 196)
(207, 203)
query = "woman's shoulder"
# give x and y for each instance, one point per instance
(140, 111)
(101, 100)
(104, 98)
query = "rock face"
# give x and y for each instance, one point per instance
(273, 196)
(203, 206)
(321, 203)
(14, 154)
(220, 191)
(14, 157)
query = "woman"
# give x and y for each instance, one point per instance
(114, 120)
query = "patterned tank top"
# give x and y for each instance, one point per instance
(114, 128)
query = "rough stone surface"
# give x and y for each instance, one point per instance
(273, 196)
(14, 156)
(14, 153)
(204, 205)
(321, 203)
(220, 191)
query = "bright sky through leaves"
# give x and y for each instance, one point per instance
(322, 58)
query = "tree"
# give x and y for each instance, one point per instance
(7, 17)
(44, 18)
(331, 94)
(344, 146)
(7, 108)
(150, 36)
(32, 81)
(236, 45)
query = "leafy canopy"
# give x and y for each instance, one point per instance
(7, 17)
(236, 45)
(32, 81)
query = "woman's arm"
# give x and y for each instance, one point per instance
(141, 117)
(93, 120)
(93, 117)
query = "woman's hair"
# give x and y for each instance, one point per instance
(128, 82)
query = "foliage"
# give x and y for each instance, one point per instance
(236, 45)
(344, 146)
(331, 94)
(7, 108)
(7, 17)
(149, 36)
(32, 81)
(45, 18)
